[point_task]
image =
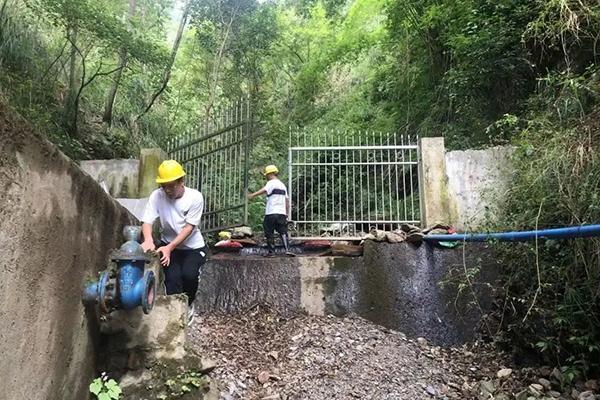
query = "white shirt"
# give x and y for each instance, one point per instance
(276, 197)
(174, 214)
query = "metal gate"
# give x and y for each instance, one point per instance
(342, 184)
(215, 158)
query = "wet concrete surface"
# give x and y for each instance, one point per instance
(398, 286)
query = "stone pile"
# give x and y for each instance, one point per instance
(407, 233)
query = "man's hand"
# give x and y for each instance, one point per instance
(148, 245)
(165, 258)
(250, 197)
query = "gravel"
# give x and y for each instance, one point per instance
(261, 355)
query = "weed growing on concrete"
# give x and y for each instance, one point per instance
(105, 389)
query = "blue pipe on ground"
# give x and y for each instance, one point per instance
(557, 233)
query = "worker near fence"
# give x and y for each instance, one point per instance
(182, 250)
(278, 207)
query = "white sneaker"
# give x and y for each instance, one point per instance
(191, 314)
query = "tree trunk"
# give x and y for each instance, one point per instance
(143, 15)
(217, 65)
(167, 72)
(110, 101)
(71, 112)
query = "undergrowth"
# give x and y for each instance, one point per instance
(550, 303)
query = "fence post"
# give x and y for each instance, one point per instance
(150, 159)
(433, 190)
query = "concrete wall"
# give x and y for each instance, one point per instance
(433, 189)
(461, 188)
(395, 285)
(476, 179)
(121, 176)
(56, 228)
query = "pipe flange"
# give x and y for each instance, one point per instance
(102, 283)
(149, 292)
(124, 256)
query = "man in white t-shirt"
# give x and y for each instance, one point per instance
(278, 207)
(182, 248)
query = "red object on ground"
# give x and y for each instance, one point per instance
(317, 243)
(228, 243)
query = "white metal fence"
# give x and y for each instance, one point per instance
(342, 184)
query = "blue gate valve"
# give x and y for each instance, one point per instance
(131, 287)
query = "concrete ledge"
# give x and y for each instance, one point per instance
(395, 285)
(132, 340)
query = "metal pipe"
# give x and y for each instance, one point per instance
(524, 236)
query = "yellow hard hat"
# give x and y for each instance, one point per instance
(224, 234)
(271, 169)
(169, 171)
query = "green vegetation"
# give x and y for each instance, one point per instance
(103, 78)
(105, 389)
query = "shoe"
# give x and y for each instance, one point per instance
(269, 254)
(191, 314)
(290, 254)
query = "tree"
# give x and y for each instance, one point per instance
(94, 30)
(110, 101)
(169, 66)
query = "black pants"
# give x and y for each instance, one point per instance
(181, 276)
(275, 222)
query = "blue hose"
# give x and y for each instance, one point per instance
(557, 233)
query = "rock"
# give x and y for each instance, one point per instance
(415, 237)
(378, 235)
(587, 395)
(487, 387)
(272, 397)
(369, 236)
(501, 396)
(545, 383)
(263, 377)
(554, 394)
(422, 341)
(437, 225)
(503, 373)
(241, 232)
(273, 354)
(591, 384)
(431, 390)
(522, 395)
(207, 366)
(536, 388)
(556, 374)
(438, 232)
(394, 238)
(232, 388)
(409, 228)
(574, 394)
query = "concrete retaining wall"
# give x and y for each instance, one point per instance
(461, 188)
(56, 228)
(121, 176)
(476, 180)
(395, 285)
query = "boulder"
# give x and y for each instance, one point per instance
(241, 232)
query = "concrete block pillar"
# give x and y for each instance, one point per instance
(150, 159)
(433, 189)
